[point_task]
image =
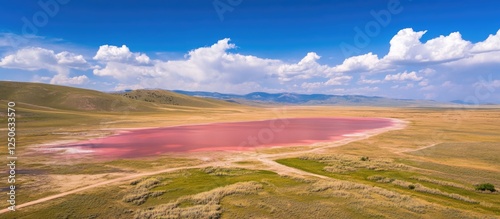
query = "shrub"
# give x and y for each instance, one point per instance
(486, 187)
(380, 179)
(411, 186)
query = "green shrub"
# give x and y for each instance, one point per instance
(486, 187)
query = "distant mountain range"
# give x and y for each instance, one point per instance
(46, 96)
(311, 99)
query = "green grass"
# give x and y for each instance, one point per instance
(361, 175)
(98, 204)
(195, 181)
(107, 202)
(281, 197)
(151, 163)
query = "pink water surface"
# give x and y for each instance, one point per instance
(227, 136)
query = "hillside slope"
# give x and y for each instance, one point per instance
(40, 95)
(67, 98)
(172, 98)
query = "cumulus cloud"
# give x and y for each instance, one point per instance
(424, 83)
(214, 66)
(364, 80)
(306, 68)
(405, 46)
(36, 58)
(219, 68)
(333, 81)
(361, 63)
(200, 65)
(124, 71)
(422, 67)
(492, 43)
(404, 76)
(64, 79)
(107, 53)
(309, 86)
(339, 80)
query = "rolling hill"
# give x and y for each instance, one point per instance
(38, 95)
(173, 98)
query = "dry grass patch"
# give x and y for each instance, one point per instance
(140, 193)
(202, 205)
(348, 163)
(420, 188)
(364, 192)
(442, 183)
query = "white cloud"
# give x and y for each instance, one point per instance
(424, 83)
(362, 63)
(340, 80)
(421, 67)
(407, 48)
(427, 71)
(200, 65)
(36, 58)
(363, 80)
(306, 68)
(213, 67)
(480, 59)
(311, 86)
(107, 53)
(333, 81)
(406, 87)
(124, 71)
(14, 40)
(69, 59)
(64, 79)
(405, 76)
(367, 90)
(492, 43)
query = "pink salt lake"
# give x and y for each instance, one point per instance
(230, 136)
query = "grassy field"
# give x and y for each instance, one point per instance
(442, 153)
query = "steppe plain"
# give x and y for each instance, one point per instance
(424, 166)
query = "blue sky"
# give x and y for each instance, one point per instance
(445, 50)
